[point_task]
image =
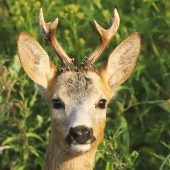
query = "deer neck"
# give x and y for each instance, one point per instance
(58, 158)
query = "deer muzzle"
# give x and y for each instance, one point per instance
(80, 135)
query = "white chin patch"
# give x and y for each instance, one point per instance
(80, 148)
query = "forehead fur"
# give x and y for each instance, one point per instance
(78, 84)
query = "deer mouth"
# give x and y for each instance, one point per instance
(80, 148)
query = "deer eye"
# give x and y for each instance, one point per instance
(57, 104)
(102, 104)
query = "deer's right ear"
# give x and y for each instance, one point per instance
(122, 61)
(35, 60)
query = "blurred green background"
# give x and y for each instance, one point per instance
(137, 133)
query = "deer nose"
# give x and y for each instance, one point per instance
(80, 135)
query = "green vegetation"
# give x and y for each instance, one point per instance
(138, 119)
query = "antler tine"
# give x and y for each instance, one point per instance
(48, 32)
(105, 38)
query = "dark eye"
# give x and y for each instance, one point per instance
(57, 104)
(102, 104)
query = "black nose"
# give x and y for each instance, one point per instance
(80, 135)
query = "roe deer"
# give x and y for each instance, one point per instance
(77, 96)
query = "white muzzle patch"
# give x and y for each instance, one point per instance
(80, 147)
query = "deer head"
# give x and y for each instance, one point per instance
(77, 96)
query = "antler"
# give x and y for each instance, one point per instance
(105, 38)
(48, 32)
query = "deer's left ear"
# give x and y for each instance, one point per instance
(122, 61)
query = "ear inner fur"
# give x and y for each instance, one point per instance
(35, 60)
(122, 61)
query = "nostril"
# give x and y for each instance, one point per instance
(86, 132)
(76, 133)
